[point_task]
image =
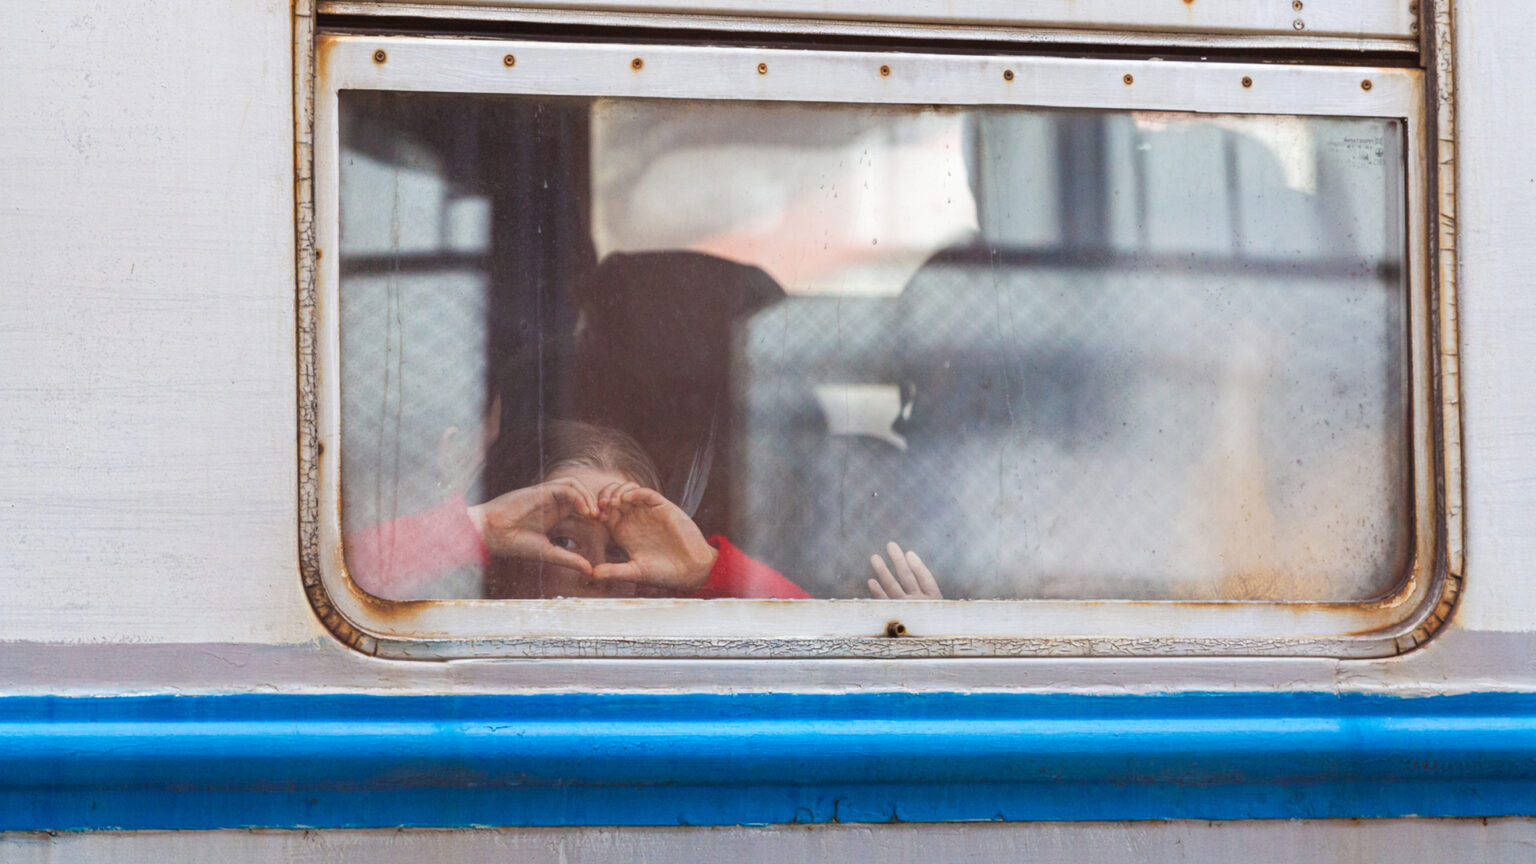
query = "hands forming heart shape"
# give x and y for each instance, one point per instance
(665, 548)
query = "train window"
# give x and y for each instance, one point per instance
(612, 330)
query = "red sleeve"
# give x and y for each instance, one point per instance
(394, 559)
(736, 575)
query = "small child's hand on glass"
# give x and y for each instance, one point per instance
(911, 581)
(517, 524)
(666, 549)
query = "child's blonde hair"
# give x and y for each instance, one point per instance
(569, 442)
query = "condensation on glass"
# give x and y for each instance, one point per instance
(1061, 354)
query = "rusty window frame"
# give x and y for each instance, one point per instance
(1380, 26)
(758, 628)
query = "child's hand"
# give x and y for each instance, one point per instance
(665, 547)
(517, 524)
(911, 582)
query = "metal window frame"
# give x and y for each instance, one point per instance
(857, 628)
(1348, 25)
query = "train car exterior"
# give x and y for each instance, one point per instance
(221, 224)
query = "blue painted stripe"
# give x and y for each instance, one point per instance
(353, 760)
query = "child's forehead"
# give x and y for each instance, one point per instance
(592, 478)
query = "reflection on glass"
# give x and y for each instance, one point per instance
(1059, 354)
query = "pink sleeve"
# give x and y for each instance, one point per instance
(736, 575)
(394, 559)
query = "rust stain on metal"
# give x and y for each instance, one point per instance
(509, 61)
(1366, 85)
(318, 56)
(1007, 74)
(1444, 287)
(1442, 75)
(1450, 562)
(380, 57)
(394, 611)
(313, 62)
(637, 64)
(312, 56)
(1247, 81)
(1129, 79)
(885, 71)
(762, 68)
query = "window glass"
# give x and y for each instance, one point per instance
(1060, 354)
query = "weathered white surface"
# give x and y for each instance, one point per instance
(146, 323)
(147, 422)
(1384, 840)
(1497, 203)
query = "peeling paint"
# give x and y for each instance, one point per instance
(1367, 629)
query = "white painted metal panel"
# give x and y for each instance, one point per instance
(143, 134)
(1255, 842)
(1496, 166)
(146, 324)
